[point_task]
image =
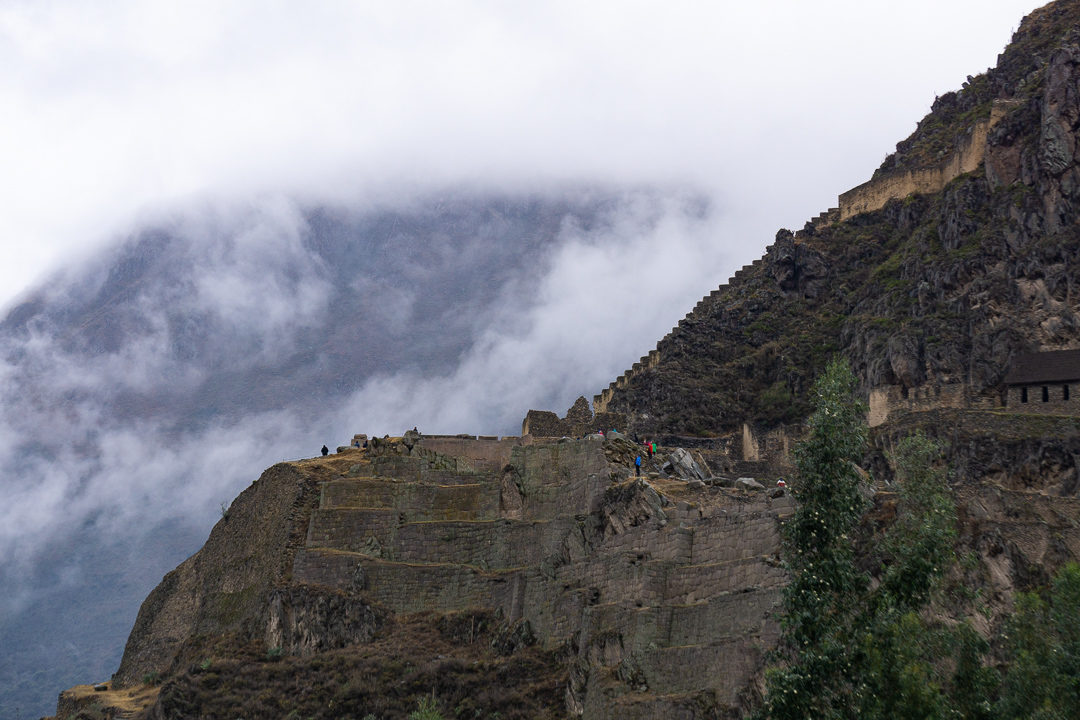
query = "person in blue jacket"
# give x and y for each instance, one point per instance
(637, 466)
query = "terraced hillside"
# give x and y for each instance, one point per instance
(637, 598)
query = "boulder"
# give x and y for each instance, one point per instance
(746, 483)
(681, 464)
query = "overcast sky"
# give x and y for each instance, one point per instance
(113, 111)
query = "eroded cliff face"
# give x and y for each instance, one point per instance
(1014, 479)
(226, 585)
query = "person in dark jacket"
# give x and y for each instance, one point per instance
(325, 451)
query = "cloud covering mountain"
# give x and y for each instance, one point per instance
(115, 110)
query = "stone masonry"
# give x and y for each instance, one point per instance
(666, 596)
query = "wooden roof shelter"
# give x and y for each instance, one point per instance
(1054, 366)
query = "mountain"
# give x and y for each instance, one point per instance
(957, 256)
(534, 577)
(146, 384)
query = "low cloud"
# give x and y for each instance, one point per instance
(92, 423)
(605, 298)
(159, 383)
(772, 107)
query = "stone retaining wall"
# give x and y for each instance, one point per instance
(561, 539)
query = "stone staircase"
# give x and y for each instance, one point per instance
(601, 401)
(684, 595)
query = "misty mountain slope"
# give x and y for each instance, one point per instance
(144, 386)
(321, 297)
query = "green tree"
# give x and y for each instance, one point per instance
(848, 650)
(901, 656)
(1043, 648)
(815, 675)
(974, 684)
(919, 545)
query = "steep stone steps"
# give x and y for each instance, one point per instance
(421, 500)
(652, 359)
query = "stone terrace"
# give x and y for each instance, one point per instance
(663, 591)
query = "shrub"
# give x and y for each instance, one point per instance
(427, 709)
